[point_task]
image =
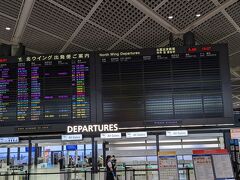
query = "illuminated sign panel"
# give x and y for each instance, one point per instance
(45, 88)
(9, 139)
(235, 133)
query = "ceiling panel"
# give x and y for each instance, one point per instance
(152, 3)
(72, 48)
(28, 53)
(94, 38)
(235, 61)
(40, 41)
(213, 29)
(236, 84)
(234, 12)
(117, 16)
(81, 7)
(5, 22)
(222, 1)
(184, 11)
(122, 45)
(10, 7)
(233, 42)
(148, 34)
(50, 18)
(236, 101)
(176, 42)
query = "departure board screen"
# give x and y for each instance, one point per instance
(161, 87)
(45, 88)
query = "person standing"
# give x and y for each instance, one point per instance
(61, 163)
(109, 167)
(114, 164)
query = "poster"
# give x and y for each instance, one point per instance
(222, 166)
(168, 166)
(203, 167)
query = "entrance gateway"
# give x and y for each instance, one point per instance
(148, 151)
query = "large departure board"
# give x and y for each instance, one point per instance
(45, 88)
(144, 87)
(163, 86)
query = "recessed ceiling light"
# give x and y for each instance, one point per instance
(170, 17)
(198, 15)
(238, 104)
(8, 28)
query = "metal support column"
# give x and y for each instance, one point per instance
(227, 139)
(62, 152)
(104, 153)
(36, 155)
(94, 156)
(157, 149)
(84, 150)
(18, 153)
(95, 160)
(29, 155)
(8, 156)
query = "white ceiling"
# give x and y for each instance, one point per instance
(50, 26)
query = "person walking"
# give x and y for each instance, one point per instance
(114, 165)
(109, 166)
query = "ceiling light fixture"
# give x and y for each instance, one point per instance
(8, 28)
(198, 15)
(170, 17)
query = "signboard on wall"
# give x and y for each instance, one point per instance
(168, 165)
(207, 160)
(203, 167)
(223, 166)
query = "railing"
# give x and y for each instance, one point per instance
(132, 174)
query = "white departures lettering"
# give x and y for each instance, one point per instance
(92, 128)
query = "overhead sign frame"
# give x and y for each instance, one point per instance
(110, 135)
(176, 133)
(72, 137)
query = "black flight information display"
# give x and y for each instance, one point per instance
(161, 85)
(47, 88)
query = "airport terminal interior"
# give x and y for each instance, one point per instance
(119, 89)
